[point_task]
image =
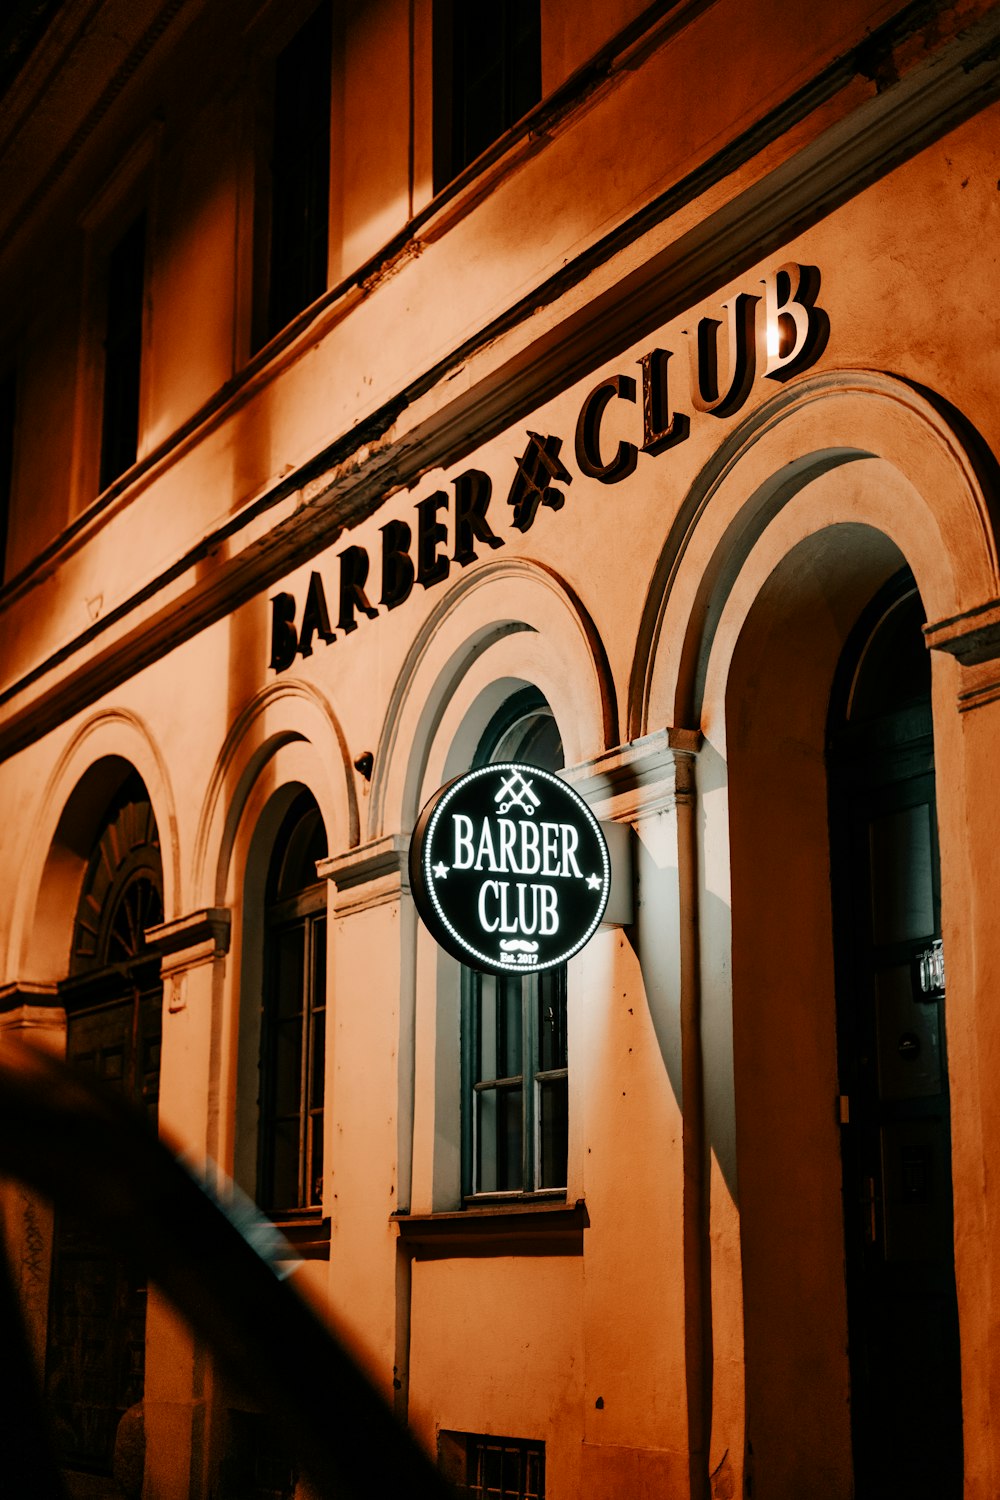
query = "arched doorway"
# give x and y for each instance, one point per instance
(95, 1356)
(906, 1414)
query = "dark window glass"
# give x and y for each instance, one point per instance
(113, 999)
(300, 172)
(488, 73)
(515, 1119)
(8, 416)
(895, 666)
(123, 353)
(293, 1023)
(483, 1467)
(255, 1463)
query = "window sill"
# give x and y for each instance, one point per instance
(308, 1237)
(513, 1228)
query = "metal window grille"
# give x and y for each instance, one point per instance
(484, 1467)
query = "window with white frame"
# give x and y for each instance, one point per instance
(515, 1099)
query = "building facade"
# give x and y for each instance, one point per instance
(388, 389)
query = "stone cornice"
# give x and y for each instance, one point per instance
(367, 875)
(185, 942)
(754, 200)
(646, 775)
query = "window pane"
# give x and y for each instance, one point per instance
(315, 1194)
(553, 1132)
(551, 1002)
(286, 1077)
(284, 1165)
(499, 1140)
(317, 1067)
(509, 1028)
(301, 170)
(319, 963)
(483, 990)
(293, 1033)
(289, 972)
(123, 353)
(902, 861)
(496, 53)
(500, 1027)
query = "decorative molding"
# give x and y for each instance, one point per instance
(187, 943)
(972, 637)
(644, 776)
(25, 1003)
(368, 875)
(350, 478)
(514, 1228)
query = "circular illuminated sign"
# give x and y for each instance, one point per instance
(509, 869)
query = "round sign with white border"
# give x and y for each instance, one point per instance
(509, 869)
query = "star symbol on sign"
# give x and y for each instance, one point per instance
(440, 870)
(594, 882)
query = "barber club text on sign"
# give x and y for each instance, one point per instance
(776, 335)
(509, 869)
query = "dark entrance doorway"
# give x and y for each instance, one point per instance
(113, 997)
(896, 1143)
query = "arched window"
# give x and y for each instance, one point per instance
(293, 1019)
(514, 1052)
(95, 1355)
(122, 891)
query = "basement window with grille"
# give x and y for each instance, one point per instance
(484, 1467)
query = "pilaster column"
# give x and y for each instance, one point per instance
(648, 786)
(370, 1069)
(192, 950)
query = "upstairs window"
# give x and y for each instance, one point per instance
(483, 1467)
(514, 1035)
(293, 1023)
(488, 73)
(123, 353)
(300, 173)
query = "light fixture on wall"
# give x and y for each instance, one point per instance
(930, 971)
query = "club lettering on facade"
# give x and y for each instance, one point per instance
(776, 335)
(797, 330)
(710, 390)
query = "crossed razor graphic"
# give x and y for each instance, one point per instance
(522, 796)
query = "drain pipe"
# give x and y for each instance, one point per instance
(696, 1240)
